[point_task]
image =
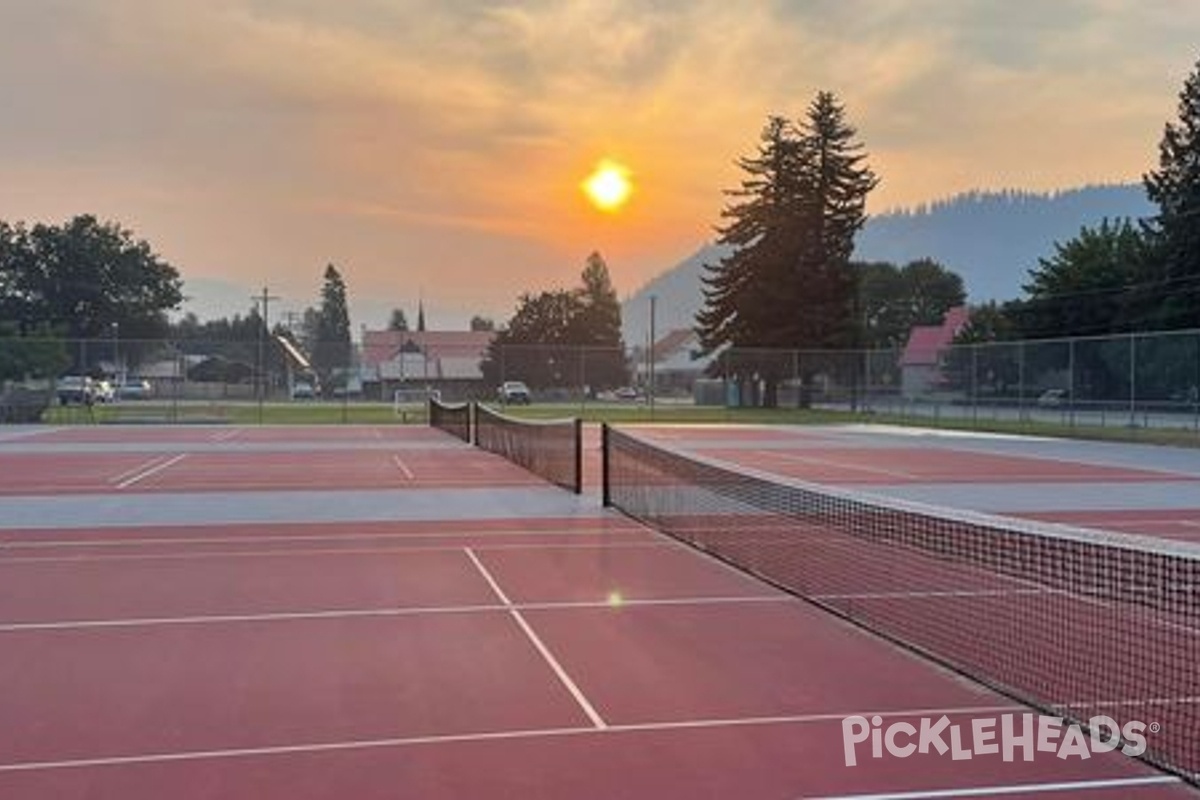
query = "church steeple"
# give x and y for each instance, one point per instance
(420, 315)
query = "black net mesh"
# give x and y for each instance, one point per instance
(453, 418)
(551, 449)
(1076, 622)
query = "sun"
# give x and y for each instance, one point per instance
(609, 186)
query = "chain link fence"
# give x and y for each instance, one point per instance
(1140, 380)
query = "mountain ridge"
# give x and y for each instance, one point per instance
(991, 238)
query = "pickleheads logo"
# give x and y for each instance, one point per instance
(1006, 735)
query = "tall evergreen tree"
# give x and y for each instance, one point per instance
(597, 326)
(760, 221)
(788, 282)
(1175, 188)
(791, 224)
(332, 350)
(599, 318)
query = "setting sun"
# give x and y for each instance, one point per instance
(608, 187)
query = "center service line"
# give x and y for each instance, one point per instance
(593, 715)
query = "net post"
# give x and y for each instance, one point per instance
(473, 423)
(578, 455)
(605, 495)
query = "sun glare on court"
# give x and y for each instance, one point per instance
(609, 186)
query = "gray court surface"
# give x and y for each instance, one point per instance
(346, 505)
(1180, 467)
(105, 511)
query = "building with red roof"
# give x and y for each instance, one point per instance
(923, 358)
(448, 361)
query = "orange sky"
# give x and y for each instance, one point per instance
(434, 148)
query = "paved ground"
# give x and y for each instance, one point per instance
(386, 612)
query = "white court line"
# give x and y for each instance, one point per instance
(225, 436)
(1101, 520)
(826, 462)
(146, 473)
(120, 476)
(33, 544)
(588, 709)
(924, 595)
(400, 465)
(407, 611)
(530, 733)
(325, 552)
(1020, 788)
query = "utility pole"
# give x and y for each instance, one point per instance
(652, 356)
(260, 387)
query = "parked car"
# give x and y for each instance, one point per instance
(134, 390)
(75, 390)
(626, 393)
(303, 390)
(1052, 398)
(515, 393)
(103, 391)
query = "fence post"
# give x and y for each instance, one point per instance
(1021, 380)
(975, 385)
(1133, 380)
(1071, 380)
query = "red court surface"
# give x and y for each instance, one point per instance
(571, 655)
(826, 458)
(251, 471)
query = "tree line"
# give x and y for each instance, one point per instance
(563, 337)
(1122, 275)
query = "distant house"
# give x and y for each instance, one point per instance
(677, 365)
(922, 361)
(448, 361)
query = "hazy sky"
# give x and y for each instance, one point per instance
(435, 147)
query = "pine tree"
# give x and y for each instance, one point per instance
(599, 319)
(597, 326)
(737, 291)
(331, 352)
(788, 282)
(827, 316)
(1175, 188)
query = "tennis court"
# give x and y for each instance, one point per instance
(391, 612)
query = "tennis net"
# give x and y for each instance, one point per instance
(1078, 623)
(453, 418)
(551, 449)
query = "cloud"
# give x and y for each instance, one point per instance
(274, 135)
